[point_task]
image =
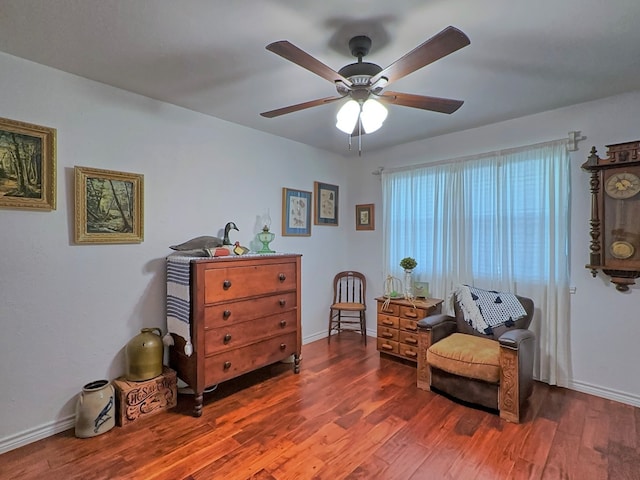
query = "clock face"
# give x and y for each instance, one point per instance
(622, 185)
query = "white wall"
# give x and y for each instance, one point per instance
(68, 310)
(604, 323)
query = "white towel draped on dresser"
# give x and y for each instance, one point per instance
(179, 301)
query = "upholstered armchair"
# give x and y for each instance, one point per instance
(487, 365)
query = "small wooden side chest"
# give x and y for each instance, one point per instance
(141, 399)
(397, 324)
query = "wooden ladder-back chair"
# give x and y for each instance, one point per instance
(349, 304)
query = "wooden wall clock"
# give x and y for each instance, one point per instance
(615, 213)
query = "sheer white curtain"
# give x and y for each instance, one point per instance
(497, 221)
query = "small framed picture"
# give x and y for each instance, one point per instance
(326, 204)
(365, 217)
(108, 206)
(421, 289)
(296, 213)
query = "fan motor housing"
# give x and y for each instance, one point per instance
(359, 73)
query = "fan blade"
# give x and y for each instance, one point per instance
(435, 104)
(300, 106)
(440, 45)
(292, 53)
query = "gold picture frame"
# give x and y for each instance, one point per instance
(27, 165)
(108, 206)
(365, 217)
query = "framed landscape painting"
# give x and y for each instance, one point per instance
(326, 204)
(296, 212)
(108, 206)
(365, 217)
(27, 165)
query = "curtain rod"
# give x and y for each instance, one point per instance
(571, 144)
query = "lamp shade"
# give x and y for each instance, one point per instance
(347, 116)
(373, 115)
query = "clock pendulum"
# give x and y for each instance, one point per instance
(621, 186)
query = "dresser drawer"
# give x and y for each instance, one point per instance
(408, 325)
(387, 321)
(230, 364)
(388, 346)
(235, 282)
(408, 351)
(391, 309)
(245, 333)
(233, 312)
(388, 333)
(408, 338)
(413, 313)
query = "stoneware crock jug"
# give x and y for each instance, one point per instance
(95, 409)
(144, 354)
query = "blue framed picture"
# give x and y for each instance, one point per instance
(296, 213)
(326, 204)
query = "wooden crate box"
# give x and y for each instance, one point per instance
(141, 399)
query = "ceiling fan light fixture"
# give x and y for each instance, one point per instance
(347, 116)
(373, 115)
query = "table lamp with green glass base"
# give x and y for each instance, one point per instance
(266, 237)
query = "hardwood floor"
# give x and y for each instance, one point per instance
(349, 414)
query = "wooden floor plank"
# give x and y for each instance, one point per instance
(351, 413)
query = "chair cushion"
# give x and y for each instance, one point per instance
(467, 356)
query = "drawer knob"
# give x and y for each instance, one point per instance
(282, 277)
(412, 328)
(226, 284)
(227, 338)
(386, 346)
(387, 322)
(283, 323)
(411, 341)
(411, 354)
(387, 335)
(226, 314)
(412, 314)
(282, 302)
(227, 365)
(283, 346)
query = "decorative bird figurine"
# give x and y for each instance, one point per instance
(239, 249)
(199, 243)
(227, 227)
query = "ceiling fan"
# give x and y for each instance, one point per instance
(363, 81)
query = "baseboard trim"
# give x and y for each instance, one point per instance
(38, 433)
(603, 392)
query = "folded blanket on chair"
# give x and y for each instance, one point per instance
(485, 309)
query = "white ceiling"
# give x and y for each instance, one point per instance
(209, 55)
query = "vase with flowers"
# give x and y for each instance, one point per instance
(408, 264)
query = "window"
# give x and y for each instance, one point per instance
(480, 220)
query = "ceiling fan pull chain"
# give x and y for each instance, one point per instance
(359, 137)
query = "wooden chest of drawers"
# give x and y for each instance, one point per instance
(397, 329)
(245, 314)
